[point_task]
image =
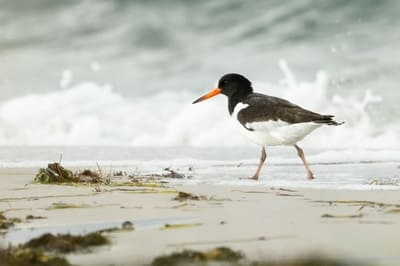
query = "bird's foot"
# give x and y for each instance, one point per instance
(310, 176)
(255, 178)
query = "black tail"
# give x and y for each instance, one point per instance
(328, 120)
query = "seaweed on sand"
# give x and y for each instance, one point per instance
(62, 205)
(43, 250)
(327, 215)
(365, 203)
(6, 223)
(192, 257)
(227, 257)
(182, 196)
(29, 257)
(56, 173)
(312, 261)
(33, 217)
(66, 243)
(90, 176)
(179, 226)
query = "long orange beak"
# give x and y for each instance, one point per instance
(206, 96)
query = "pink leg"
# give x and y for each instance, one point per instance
(300, 152)
(262, 160)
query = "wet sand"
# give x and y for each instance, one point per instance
(262, 222)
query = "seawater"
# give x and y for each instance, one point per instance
(110, 78)
(333, 169)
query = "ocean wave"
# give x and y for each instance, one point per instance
(91, 114)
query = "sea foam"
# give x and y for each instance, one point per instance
(87, 113)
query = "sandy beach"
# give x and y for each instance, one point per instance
(129, 131)
(272, 223)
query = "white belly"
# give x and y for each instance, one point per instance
(277, 134)
(272, 133)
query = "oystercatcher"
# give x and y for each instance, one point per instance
(267, 120)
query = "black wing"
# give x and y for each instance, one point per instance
(268, 108)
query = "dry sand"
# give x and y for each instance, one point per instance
(262, 222)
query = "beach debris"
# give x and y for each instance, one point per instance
(359, 215)
(185, 196)
(287, 190)
(43, 250)
(179, 226)
(44, 197)
(66, 243)
(96, 188)
(228, 257)
(192, 257)
(126, 226)
(311, 261)
(372, 204)
(388, 181)
(182, 196)
(56, 173)
(89, 176)
(288, 194)
(172, 174)
(139, 182)
(33, 217)
(168, 173)
(28, 257)
(6, 223)
(120, 173)
(62, 205)
(393, 211)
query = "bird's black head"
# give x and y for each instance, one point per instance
(232, 85)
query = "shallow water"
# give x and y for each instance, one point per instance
(347, 169)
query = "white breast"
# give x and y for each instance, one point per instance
(271, 133)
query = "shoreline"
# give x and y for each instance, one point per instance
(260, 221)
(353, 177)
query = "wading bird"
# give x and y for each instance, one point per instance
(267, 120)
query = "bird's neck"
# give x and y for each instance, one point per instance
(231, 105)
(236, 98)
